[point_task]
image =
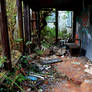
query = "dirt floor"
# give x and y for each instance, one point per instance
(74, 75)
(57, 72)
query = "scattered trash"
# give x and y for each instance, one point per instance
(40, 90)
(88, 71)
(44, 87)
(88, 68)
(62, 56)
(37, 76)
(51, 61)
(76, 63)
(48, 67)
(88, 81)
(33, 78)
(29, 90)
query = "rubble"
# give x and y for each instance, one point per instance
(55, 71)
(88, 68)
(61, 52)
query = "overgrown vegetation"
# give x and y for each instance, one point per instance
(48, 26)
(14, 79)
(11, 17)
(11, 13)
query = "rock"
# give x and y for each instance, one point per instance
(61, 52)
(54, 49)
(29, 90)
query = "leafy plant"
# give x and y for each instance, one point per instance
(45, 44)
(24, 61)
(18, 40)
(39, 52)
(2, 60)
(20, 78)
(28, 43)
(10, 82)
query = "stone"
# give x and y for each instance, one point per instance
(29, 90)
(61, 52)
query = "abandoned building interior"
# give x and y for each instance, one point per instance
(45, 46)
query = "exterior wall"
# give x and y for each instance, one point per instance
(84, 31)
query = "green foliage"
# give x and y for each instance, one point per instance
(18, 40)
(20, 78)
(28, 43)
(13, 80)
(49, 33)
(45, 44)
(11, 13)
(38, 52)
(2, 60)
(25, 59)
(10, 82)
(63, 34)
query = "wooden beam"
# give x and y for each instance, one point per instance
(20, 24)
(27, 27)
(56, 26)
(4, 34)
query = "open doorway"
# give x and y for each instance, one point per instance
(65, 24)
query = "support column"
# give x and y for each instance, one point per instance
(27, 26)
(56, 26)
(38, 27)
(4, 34)
(74, 25)
(20, 24)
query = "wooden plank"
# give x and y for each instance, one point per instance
(20, 24)
(27, 27)
(4, 34)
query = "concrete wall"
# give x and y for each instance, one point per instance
(84, 31)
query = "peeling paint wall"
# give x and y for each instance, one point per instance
(84, 31)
